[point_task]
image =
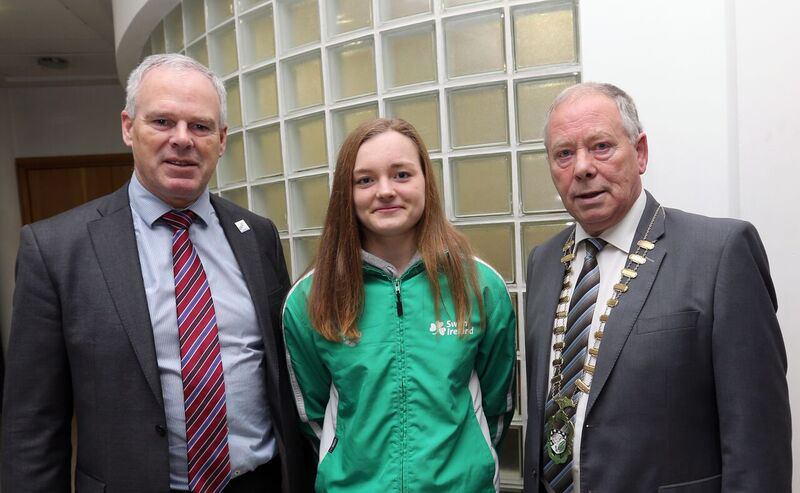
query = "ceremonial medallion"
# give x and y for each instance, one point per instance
(559, 432)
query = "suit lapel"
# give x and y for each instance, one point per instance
(623, 317)
(249, 257)
(114, 243)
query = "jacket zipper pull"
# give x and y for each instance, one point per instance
(399, 301)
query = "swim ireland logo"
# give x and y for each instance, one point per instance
(448, 328)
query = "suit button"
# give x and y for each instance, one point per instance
(161, 430)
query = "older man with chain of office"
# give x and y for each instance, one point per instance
(655, 359)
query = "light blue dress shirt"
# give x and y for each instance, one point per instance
(251, 441)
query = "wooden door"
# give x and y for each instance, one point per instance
(51, 185)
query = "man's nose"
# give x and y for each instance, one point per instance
(181, 138)
(584, 164)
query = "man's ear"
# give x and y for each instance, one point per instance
(127, 124)
(223, 140)
(641, 152)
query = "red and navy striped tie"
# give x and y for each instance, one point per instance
(201, 365)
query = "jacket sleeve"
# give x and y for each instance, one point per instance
(750, 370)
(311, 380)
(37, 407)
(497, 358)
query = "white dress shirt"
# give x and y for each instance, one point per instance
(611, 260)
(251, 441)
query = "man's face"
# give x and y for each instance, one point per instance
(176, 136)
(594, 166)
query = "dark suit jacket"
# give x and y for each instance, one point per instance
(81, 336)
(689, 392)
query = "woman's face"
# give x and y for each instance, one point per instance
(388, 187)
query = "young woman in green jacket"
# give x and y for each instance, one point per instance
(400, 343)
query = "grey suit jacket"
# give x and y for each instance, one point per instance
(81, 337)
(689, 392)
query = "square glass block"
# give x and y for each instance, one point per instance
(475, 44)
(493, 243)
(481, 185)
(257, 30)
(269, 200)
(173, 30)
(287, 255)
(198, 51)
(352, 69)
(534, 234)
(409, 56)
(194, 19)
(510, 454)
(307, 144)
(478, 116)
(264, 151)
(234, 103)
(348, 119)
(422, 112)
(302, 81)
(237, 195)
(544, 35)
(157, 41)
(219, 11)
(231, 165)
(305, 248)
(536, 188)
(309, 197)
(261, 94)
(438, 176)
(533, 100)
(248, 4)
(299, 21)
(345, 16)
(395, 9)
(222, 51)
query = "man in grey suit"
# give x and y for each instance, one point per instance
(152, 315)
(655, 360)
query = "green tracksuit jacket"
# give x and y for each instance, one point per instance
(411, 406)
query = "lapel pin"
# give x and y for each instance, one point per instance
(242, 225)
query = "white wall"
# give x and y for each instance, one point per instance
(50, 121)
(63, 121)
(717, 90)
(769, 130)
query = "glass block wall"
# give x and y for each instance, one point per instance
(475, 78)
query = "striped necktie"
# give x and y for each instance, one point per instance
(201, 364)
(579, 321)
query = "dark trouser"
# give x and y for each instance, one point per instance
(266, 478)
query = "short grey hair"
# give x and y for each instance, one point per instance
(625, 105)
(174, 61)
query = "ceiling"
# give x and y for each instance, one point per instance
(80, 31)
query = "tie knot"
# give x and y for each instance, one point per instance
(594, 245)
(179, 219)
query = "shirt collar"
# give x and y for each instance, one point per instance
(150, 208)
(385, 266)
(621, 234)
